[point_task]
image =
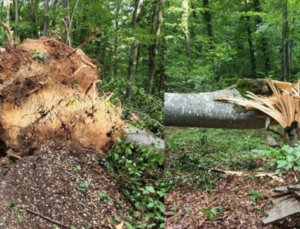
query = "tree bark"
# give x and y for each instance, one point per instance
(201, 110)
(116, 42)
(285, 44)
(46, 18)
(193, 10)
(7, 12)
(67, 21)
(161, 86)
(133, 53)
(16, 20)
(264, 42)
(185, 26)
(153, 49)
(250, 42)
(208, 21)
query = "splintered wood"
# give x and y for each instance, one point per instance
(286, 202)
(283, 105)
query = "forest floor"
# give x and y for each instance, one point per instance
(202, 198)
(58, 186)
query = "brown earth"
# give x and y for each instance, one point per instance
(48, 183)
(229, 204)
(53, 127)
(52, 97)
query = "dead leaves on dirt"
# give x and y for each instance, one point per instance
(48, 183)
(237, 202)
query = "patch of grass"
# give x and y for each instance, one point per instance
(192, 152)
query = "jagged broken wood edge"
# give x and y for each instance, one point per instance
(285, 202)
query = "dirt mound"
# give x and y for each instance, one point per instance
(47, 91)
(58, 186)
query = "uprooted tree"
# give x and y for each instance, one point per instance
(250, 104)
(273, 102)
(48, 91)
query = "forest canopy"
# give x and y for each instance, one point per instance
(211, 44)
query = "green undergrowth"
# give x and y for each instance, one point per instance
(139, 173)
(193, 153)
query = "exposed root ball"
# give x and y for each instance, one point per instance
(46, 94)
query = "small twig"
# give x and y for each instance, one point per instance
(47, 218)
(108, 97)
(275, 132)
(10, 153)
(81, 67)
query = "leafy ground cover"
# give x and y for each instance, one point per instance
(203, 198)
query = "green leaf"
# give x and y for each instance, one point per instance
(128, 152)
(150, 189)
(13, 206)
(128, 225)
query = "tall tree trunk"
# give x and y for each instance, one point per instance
(116, 48)
(264, 42)
(193, 9)
(116, 45)
(46, 18)
(151, 50)
(7, 11)
(16, 20)
(208, 21)
(133, 54)
(161, 86)
(185, 26)
(71, 31)
(250, 42)
(1, 10)
(154, 47)
(67, 21)
(285, 43)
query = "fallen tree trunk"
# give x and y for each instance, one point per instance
(201, 110)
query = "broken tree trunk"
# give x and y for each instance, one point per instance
(201, 110)
(278, 101)
(286, 202)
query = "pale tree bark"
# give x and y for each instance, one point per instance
(16, 20)
(67, 21)
(285, 43)
(46, 18)
(201, 110)
(133, 51)
(185, 26)
(7, 12)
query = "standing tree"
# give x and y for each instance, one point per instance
(46, 18)
(185, 26)
(250, 42)
(7, 12)
(285, 43)
(133, 50)
(153, 48)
